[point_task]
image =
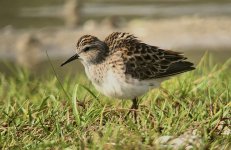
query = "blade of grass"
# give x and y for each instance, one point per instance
(74, 107)
(86, 88)
(57, 77)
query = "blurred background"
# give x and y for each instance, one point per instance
(30, 28)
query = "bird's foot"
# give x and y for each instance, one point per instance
(133, 110)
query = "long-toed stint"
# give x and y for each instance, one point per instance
(123, 67)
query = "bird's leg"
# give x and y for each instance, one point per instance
(134, 108)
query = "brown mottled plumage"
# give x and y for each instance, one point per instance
(144, 61)
(121, 66)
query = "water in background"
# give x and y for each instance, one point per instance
(37, 13)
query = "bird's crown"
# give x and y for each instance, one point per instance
(86, 39)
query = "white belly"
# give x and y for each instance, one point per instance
(113, 86)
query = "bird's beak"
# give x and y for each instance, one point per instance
(74, 57)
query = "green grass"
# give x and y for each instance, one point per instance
(36, 112)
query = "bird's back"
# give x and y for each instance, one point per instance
(142, 61)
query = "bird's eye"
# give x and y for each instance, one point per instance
(86, 49)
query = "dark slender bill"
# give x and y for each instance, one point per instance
(76, 56)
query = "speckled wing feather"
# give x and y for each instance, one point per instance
(143, 61)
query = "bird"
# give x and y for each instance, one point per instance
(124, 67)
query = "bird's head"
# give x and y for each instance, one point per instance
(90, 50)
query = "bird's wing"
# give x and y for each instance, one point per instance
(143, 61)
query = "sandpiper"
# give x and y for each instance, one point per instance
(123, 67)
